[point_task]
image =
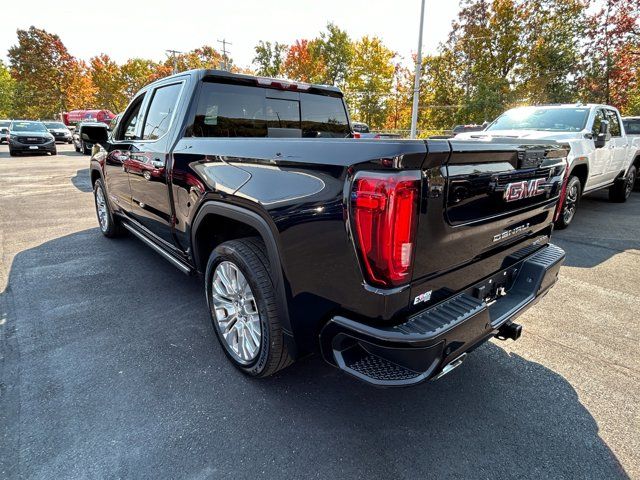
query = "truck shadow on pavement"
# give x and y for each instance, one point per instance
(600, 230)
(82, 181)
(111, 369)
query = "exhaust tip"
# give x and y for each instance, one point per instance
(452, 365)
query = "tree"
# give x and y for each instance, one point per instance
(551, 60)
(203, 57)
(369, 81)
(610, 72)
(44, 72)
(81, 92)
(109, 83)
(334, 50)
(7, 91)
(303, 63)
(269, 58)
(138, 72)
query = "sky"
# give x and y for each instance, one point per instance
(125, 29)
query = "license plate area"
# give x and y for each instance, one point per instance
(33, 147)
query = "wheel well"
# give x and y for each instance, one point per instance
(95, 175)
(216, 229)
(582, 172)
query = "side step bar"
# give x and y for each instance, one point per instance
(183, 267)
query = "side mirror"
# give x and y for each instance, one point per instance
(95, 134)
(603, 135)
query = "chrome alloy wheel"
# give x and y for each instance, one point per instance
(101, 209)
(630, 182)
(236, 312)
(570, 204)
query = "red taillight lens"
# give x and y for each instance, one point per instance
(385, 215)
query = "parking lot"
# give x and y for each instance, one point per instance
(109, 367)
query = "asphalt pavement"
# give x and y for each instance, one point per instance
(109, 367)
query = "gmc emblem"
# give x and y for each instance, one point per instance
(526, 189)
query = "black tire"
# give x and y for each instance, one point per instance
(54, 152)
(112, 227)
(570, 203)
(13, 153)
(85, 150)
(623, 187)
(249, 256)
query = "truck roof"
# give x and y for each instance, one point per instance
(281, 83)
(569, 105)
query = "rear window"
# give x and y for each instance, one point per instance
(225, 110)
(632, 126)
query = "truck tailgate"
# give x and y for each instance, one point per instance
(482, 200)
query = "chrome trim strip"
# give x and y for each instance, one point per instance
(166, 255)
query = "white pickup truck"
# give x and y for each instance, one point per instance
(602, 154)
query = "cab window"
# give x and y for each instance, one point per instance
(597, 122)
(127, 128)
(614, 124)
(160, 113)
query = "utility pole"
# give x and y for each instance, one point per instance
(225, 58)
(173, 54)
(416, 84)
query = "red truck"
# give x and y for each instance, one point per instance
(76, 116)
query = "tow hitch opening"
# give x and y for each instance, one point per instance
(509, 331)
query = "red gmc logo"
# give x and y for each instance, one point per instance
(526, 189)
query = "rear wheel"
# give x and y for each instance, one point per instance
(623, 187)
(86, 150)
(242, 305)
(110, 226)
(570, 204)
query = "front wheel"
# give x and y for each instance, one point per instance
(242, 305)
(571, 199)
(623, 187)
(110, 226)
(85, 150)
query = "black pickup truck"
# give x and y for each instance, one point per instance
(393, 258)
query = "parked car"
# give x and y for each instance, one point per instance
(59, 131)
(631, 125)
(602, 154)
(76, 116)
(393, 258)
(359, 127)
(31, 137)
(82, 145)
(4, 131)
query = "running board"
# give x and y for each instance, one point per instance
(180, 265)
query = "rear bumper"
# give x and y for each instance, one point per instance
(432, 340)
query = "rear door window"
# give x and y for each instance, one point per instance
(323, 116)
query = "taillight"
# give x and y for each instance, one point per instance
(384, 207)
(357, 135)
(563, 191)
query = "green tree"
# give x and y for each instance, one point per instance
(270, 58)
(44, 72)
(335, 51)
(370, 80)
(136, 73)
(7, 91)
(552, 50)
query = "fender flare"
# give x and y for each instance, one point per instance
(257, 222)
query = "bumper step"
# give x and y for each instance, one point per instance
(432, 341)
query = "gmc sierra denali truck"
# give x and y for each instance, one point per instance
(393, 258)
(602, 154)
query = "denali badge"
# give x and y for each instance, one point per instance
(509, 233)
(423, 297)
(520, 190)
